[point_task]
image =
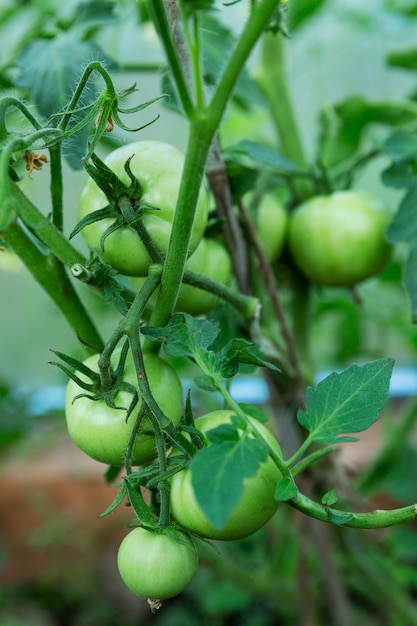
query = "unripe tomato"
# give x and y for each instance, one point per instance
(158, 167)
(254, 510)
(211, 259)
(339, 239)
(271, 223)
(157, 564)
(102, 432)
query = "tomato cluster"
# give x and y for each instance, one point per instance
(335, 240)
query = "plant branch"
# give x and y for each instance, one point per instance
(50, 274)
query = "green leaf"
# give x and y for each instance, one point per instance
(329, 498)
(410, 279)
(286, 490)
(121, 495)
(407, 59)
(184, 335)
(398, 175)
(404, 225)
(205, 382)
(50, 85)
(240, 350)
(218, 472)
(90, 15)
(301, 11)
(401, 145)
(188, 336)
(342, 125)
(338, 517)
(253, 411)
(348, 402)
(262, 154)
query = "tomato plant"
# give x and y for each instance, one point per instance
(292, 224)
(340, 239)
(255, 508)
(103, 431)
(157, 166)
(157, 564)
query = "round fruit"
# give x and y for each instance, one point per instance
(211, 259)
(102, 431)
(158, 167)
(271, 225)
(339, 239)
(157, 564)
(254, 510)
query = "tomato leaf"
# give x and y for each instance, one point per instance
(404, 224)
(346, 402)
(262, 154)
(329, 498)
(253, 411)
(218, 471)
(121, 495)
(50, 84)
(286, 489)
(338, 517)
(410, 279)
(185, 335)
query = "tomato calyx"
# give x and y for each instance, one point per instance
(102, 386)
(125, 207)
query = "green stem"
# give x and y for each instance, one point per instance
(157, 11)
(247, 305)
(203, 125)
(45, 231)
(50, 274)
(310, 459)
(272, 80)
(371, 520)
(198, 145)
(56, 186)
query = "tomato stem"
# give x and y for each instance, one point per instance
(371, 520)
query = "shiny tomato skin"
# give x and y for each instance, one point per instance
(157, 564)
(102, 432)
(339, 239)
(256, 507)
(158, 167)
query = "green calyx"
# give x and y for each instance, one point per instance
(126, 206)
(103, 385)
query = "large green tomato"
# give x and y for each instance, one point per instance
(102, 432)
(339, 239)
(211, 259)
(271, 224)
(254, 510)
(158, 167)
(157, 564)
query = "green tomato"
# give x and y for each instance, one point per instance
(102, 432)
(254, 510)
(271, 223)
(211, 259)
(158, 167)
(339, 239)
(157, 564)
